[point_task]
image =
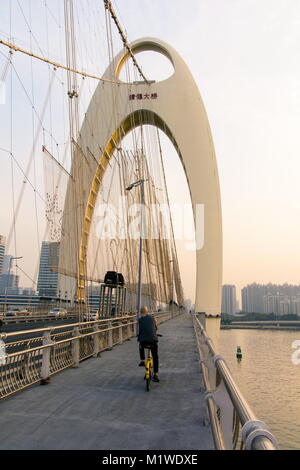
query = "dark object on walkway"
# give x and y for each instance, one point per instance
(111, 277)
(121, 280)
(45, 381)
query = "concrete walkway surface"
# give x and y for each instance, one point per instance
(103, 405)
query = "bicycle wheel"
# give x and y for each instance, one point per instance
(148, 376)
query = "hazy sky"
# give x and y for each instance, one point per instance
(245, 57)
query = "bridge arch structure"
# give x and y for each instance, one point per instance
(175, 106)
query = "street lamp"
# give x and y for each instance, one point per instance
(139, 289)
(172, 286)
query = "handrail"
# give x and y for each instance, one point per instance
(64, 341)
(4, 336)
(62, 327)
(215, 425)
(82, 335)
(255, 433)
(8, 321)
(42, 356)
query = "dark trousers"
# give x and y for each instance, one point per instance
(154, 351)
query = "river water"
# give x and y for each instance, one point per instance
(268, 378)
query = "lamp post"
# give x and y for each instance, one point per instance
(139, 289)
(172, 286)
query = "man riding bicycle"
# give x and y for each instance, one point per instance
(147, 337)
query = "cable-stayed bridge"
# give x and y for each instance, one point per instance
(107, 208)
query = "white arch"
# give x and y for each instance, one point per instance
(176, 107)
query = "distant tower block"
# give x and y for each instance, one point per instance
(2, 251)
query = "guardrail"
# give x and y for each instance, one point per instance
(33, 318)
(232, 421)
(54, 349)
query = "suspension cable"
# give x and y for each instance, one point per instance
(57, 65)
(109, 7)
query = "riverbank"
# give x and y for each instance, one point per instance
(260, 327)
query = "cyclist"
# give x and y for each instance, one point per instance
(148, 337)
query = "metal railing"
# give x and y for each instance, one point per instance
(233, 422)
(51, 350)
(34, 318)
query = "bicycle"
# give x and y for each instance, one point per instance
(149, 368)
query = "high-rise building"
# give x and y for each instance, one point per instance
(245, 301)
(9, 282)
(2, 251)
(271, 298)
(48, 278)
(6, 265)
(295, 306)
(285, 306)
(229, 299)
(252, 298)
(270, 304)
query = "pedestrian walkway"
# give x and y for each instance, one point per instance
(103, 403)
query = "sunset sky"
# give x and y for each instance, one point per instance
(245, 58)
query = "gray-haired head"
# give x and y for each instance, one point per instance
(144, 310)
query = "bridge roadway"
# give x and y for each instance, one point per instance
(103, 405)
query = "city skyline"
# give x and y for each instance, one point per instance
(48, 283)
(251, 92)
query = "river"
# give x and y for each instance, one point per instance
(268, 378)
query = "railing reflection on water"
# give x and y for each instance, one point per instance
(233, 423)
(36, 359)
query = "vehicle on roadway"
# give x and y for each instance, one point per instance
(17, 312)
(13, 312)
(58, 312)
(93, 315)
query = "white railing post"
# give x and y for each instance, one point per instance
(121, 332)
(128, 329)
(76, 348)
(110, 336)
(45, 369)
(96, 342)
